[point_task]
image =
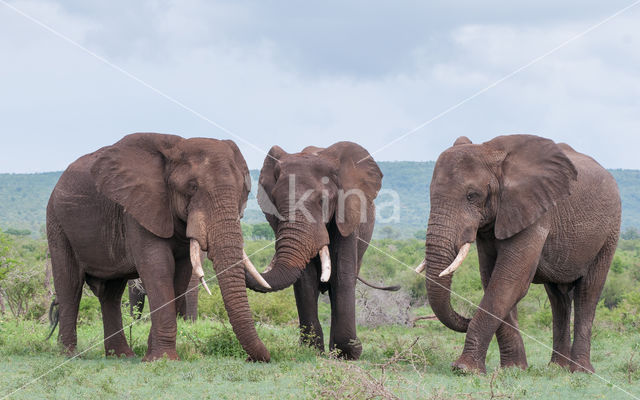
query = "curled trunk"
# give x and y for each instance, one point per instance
(296, 245)
(440, 253)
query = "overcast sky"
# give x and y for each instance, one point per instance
(302, 73)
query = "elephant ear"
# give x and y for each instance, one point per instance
(359, 180)
(131, 173)
(462, 140)
(535, 176)
(244, 171)
(267, 181)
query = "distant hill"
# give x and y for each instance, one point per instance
(23, 199)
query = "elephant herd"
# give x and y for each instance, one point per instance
(150, 205)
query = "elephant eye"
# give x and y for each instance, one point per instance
(193, 186)
(472, 196)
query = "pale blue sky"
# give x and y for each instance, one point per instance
(296, 73)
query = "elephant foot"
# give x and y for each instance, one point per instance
(349, 351)
(158, 355)
(562, 361)
(120, 352)
(581, 365)
(512, 359)
(523, 365)
(467, 364)
(312, 340)
(69, 351)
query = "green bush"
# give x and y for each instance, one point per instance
(269, 308)
(616, 288)
(89, 308)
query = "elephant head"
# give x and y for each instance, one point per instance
(191, 190)
(300, 194)
(500, 187)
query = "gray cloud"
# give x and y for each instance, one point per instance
(283, 73)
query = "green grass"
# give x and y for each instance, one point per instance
(213, 366)
(213, 363)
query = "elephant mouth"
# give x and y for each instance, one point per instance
(195, 252)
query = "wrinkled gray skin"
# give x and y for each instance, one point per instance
(345, 230)
(188, 308)
(129, 210)
(540, 213)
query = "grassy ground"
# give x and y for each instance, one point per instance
(397, 361)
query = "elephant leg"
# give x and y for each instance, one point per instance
(342, 292)
(561, 310)
(162, 336)
(155, 263)
(512, 352)
(586, 295)
(306, 290)
(68, 284)
(514, 270)
(181, 284)
(115, 342)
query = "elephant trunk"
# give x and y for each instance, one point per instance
(296, 245)
(439, 257)
(225, 251)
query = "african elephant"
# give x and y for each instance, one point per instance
(540, 212)
(188, 309)
(146, 207)
(320, 205)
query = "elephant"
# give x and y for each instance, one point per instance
(146, 207)
(188, 308)
(319, 203)
(539, 212)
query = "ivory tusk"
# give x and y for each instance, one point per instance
(422, 266)
(204, 284)
(196, 263)
(325, 260)
(462, 254)
(248, 265)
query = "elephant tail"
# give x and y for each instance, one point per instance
(388, 288)
(54, 315)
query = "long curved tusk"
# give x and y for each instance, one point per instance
(196, 263)
(422, 266)
(248, 265)
(462, 254)
(325, 260)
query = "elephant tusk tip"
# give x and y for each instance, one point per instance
(249, 267)
(462, 254)
(421, 267)
(204, 284)
(325, 277)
